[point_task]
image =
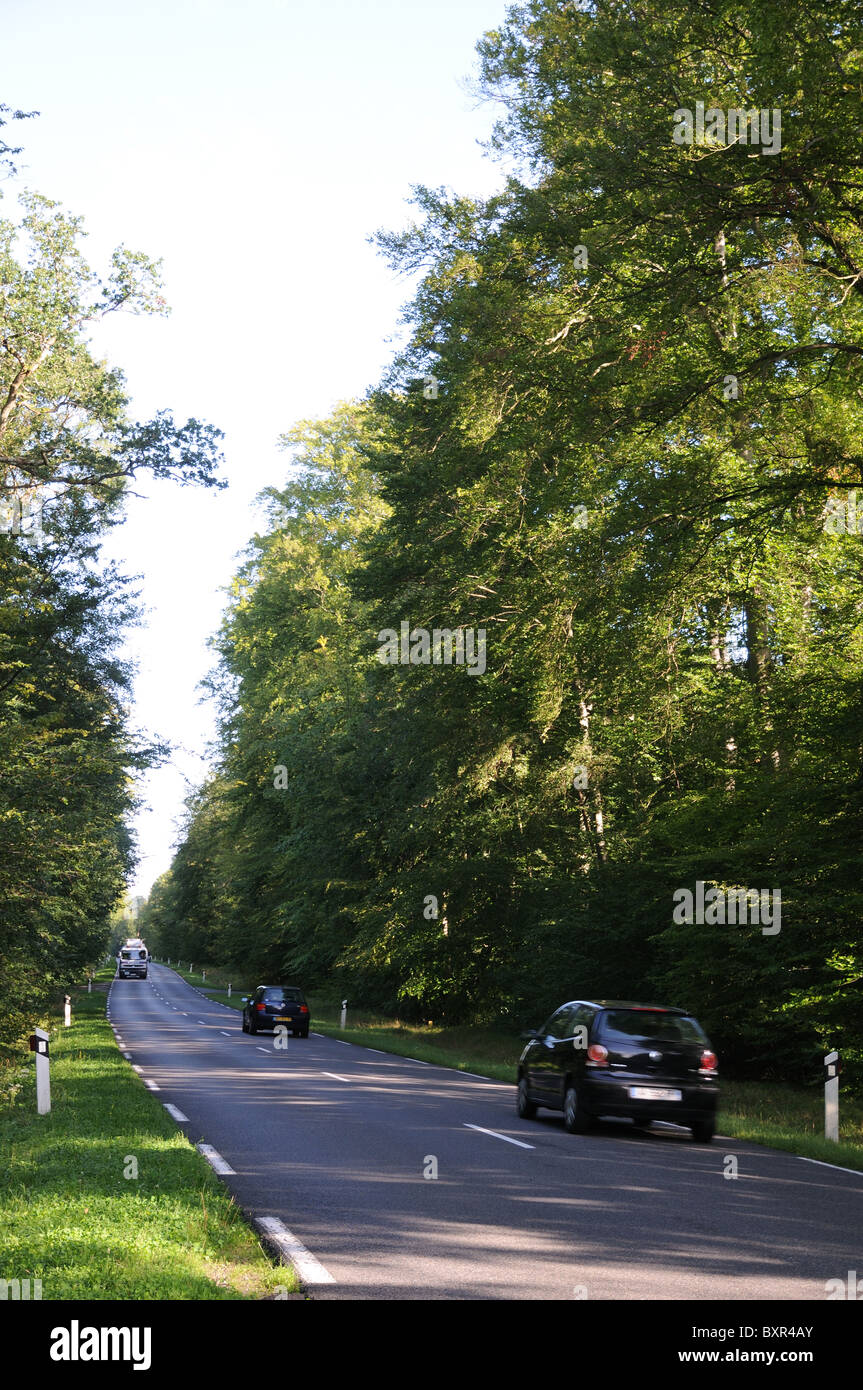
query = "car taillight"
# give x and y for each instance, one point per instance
(304, 1008)
(260, 1008)
(598, 1054)
(709, 1062)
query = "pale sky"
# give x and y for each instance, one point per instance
(254, 147)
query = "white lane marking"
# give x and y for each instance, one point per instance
(128, 1056)
(224, 1034)
(263, 1049)
(494, 1134)
(334, 1076)
(416, 1061)
(214, 1158)
(175, 1113)
(822, 1164)
(138, 1069)
(310, 1270)
(203, 1021)
(318, 1035)
(374, 1049)
(342, 1042)
(151, 1085)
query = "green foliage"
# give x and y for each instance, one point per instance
(67, 753)
(643, 545)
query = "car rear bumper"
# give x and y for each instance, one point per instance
(610, 1095)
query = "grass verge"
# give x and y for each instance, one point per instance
(71, 1212)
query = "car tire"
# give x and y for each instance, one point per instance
(245, 1025)
(703, 1131)
(525, 1107)
(253, 1027)
(576, 1120)
(304, 1033)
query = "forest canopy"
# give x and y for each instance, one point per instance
(623, 443)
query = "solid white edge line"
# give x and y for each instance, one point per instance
(310, 1270)
(175, 1113)
(334, 1075)
(837, 1166)
(505, 1137)
(214, 1158)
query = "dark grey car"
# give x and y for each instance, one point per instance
(274, 1006)
(607, 1057)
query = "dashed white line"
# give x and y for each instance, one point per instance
(203, 1021)
(151, 1085)
(175, 1113)
(334, 1075)
(223, 1033)
(494, 1134)
(214, 1158)
(128, 1056)
(342, 1042)
(310, 1270)
(262, 1049)
(137, 1069)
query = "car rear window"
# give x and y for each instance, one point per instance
(629, 1024)
(285, 996)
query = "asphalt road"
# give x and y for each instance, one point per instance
(333, 1141)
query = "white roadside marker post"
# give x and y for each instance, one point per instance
(229, 991)
(831, 1096)
(203, 976)
(39, 1045)
(67, 1010)
(89, 984)
(344, 1013)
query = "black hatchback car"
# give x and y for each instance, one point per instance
(274, 1006)
(604, 1057)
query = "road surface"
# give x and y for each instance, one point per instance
(331, 1142)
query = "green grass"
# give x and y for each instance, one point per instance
(765, 1112)
(69, 1216)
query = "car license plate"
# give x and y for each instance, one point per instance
(283, 1018)
(653, 1093)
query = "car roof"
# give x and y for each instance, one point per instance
(625, 1004)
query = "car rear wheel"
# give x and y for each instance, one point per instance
(524, 1105)
(703, 1131)
(576, 1120)
(253, 1026)
(245, 1025)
